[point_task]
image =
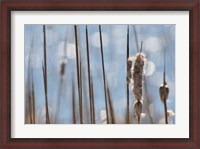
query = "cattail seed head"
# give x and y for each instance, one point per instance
(135, 72)
(164, 92)
(62, 66)
(138, 108)
(138, 71)
(130, 64)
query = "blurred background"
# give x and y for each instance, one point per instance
(62, 87)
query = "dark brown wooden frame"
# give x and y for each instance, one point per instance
(123, 5)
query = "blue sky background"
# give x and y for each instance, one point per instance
(155, 38)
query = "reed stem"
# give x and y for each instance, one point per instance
(73, 102)
(104, 81)
(110, 105)
(165, 107)
(93, 102)
(136, 38)
(45, 77)
(127, 86)
(33, 101)
(78, 74)
(164, 83)
(89, 80)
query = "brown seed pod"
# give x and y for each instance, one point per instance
(62, 66)
(138, 71)
(138, 109)
(130, 64)
(164, 92)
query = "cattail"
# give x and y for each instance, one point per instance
(135, 72)
(164, 92)
(138, 109)
(62, 66)
(138, 71)
(62, 73)
(137, 79)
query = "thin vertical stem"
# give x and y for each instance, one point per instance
(111, 105)
(165, 107)
(93, 102)
(136, 38)
(78, 76)
(165, 100)
(127, 87)
(33, 101)
(45, 77)
(73, 102)
(164, 80)
(102, 59)
(30, 111)
(81, 100)
(141, 46)
(89, 81)
(30, 76)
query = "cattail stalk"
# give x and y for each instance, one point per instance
(89, 81)
(73, 102)
(110, 105)
(81, 99)
(127, 86)
(30, 87)
(164, 92)
(102, 59)
(78, 75)
(62, 73)
(30, 111)
(45, 77)
(165, 108)
(165, 101)
(92, 101)
(136, 38)
(138, 79)
(33, 102)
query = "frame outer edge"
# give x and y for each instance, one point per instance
(4, 80)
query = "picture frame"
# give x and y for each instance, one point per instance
(7, 7)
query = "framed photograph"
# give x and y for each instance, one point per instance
(99, 74)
